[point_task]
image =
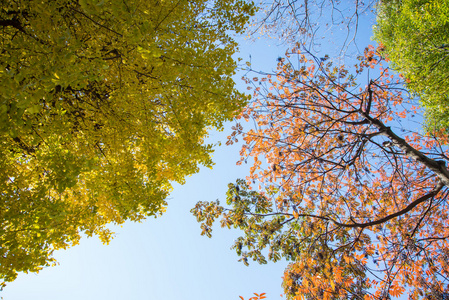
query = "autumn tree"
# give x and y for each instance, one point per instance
(103, 105)
(416, 38)
(342, 183)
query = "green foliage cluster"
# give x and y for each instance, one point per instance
(103, 105)
(253, 214)
(415, 34)
(270, 233)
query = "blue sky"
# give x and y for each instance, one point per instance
(166, 258)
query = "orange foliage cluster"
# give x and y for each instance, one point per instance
(257, 297)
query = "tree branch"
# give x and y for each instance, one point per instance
(437, 166)
(409, 207)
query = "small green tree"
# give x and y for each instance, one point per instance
(415, 35)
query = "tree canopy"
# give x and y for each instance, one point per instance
(340, 184)
(415, 35)
(103, 105)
